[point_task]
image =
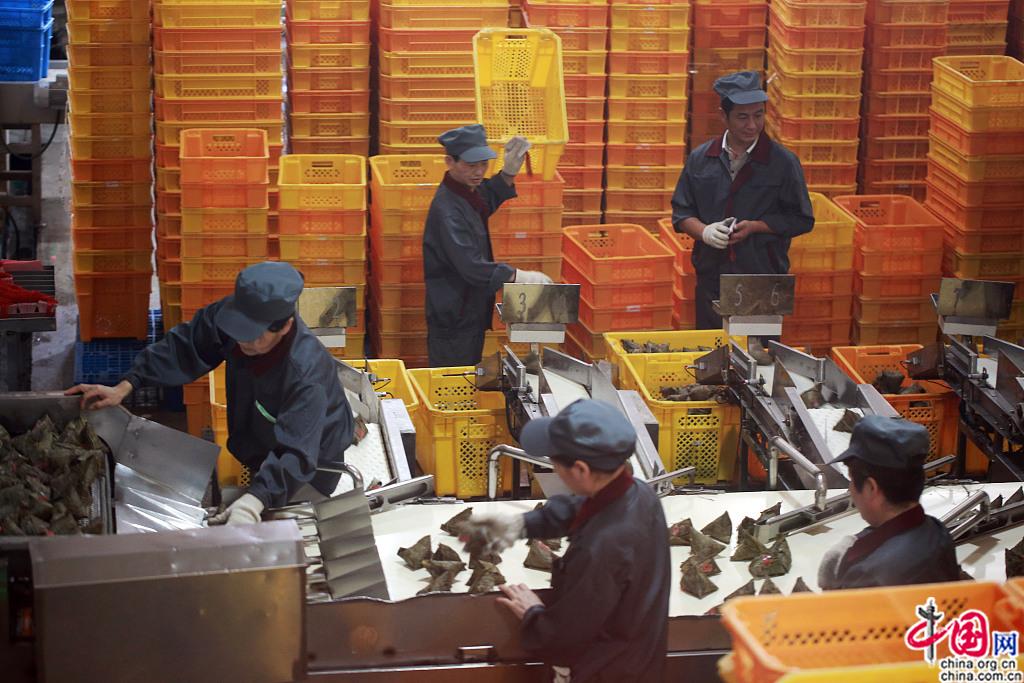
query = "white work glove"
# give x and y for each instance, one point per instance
(716, 235)
(245, 510)
(492, 533)
(828, 570)
(531, 277)
(515, 154)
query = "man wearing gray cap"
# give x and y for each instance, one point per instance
(287, 411)
(606, 618)
(901, 545)
(741, 197)
(459, 269)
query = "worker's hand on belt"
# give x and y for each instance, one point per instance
(245, 510)
(716, 235)
(96, 396)
(515, 154)
(491, 533)
(745, 229)
(519, 598)
(531, 277)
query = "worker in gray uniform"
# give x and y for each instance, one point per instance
(606, 618)
(459, 269)
(286, 409)
(741, 197)
(901, 545)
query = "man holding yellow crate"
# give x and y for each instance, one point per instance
(461, 274)
(741, 197)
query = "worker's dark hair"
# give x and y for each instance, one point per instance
(455, 157)
(278, 325)
(897, 485)
(569, 462)
(727, 105)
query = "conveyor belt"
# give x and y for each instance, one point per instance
(982, 558)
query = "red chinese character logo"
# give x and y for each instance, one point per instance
(969, 635)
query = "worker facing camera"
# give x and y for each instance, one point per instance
(459, 270)
(741, 197)
(607, 616)
(901, 545)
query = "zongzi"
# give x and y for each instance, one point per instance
(679, 533)
(695, 583)
(1015, 560)
(452, 526)
(540, 557)
(800, 586)
(707, 566)
(415, 554)
(769, 588)
(720, 529)
(747, 548)
(485, 577)
(438, 567)
(703, 546)
(776, 562)
(445, 553)
(847, 422)
(888, 381)
(442, 583)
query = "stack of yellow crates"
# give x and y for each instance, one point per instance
(815, 52)
(218, 65)
(898, 262)
(822, 261)
(583, 29)
(111, 160)
(401, 189)
(329, 76)
(425, 56)
(648, 84)
(322, 226)
(978, 27)
(976, 171)
(902, 39)
(224, 181)
(727, 37)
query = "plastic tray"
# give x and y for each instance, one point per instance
(568, 16)
(329, 10)
(617, 296)
(902, 12)
(646, 155)
(355, 78)
(427, 64)
(321, 32)
(824, 15)
(983, 266)
(207, 16)
(978, 119)
(986, 218)
(106, 31)
(466, 16)
(235, 246)
(219, 155)
(824, 284)
(405, 182)
(650, 178)
(617, 253)
(330, 126)
(233, 86)
(113, 305)
(322, 247)
(645, 40)
(976, 169)
(323, 181)
(350, 222)
(629, 201)
(655, 86)
(972, 194)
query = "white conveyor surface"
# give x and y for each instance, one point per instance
(982, 559)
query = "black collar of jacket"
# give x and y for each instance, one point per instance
(761, 152)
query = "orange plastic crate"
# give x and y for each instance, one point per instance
(642, 178)
(583, 39)
(829, 175)
(823, 307)
(983, 266)
(329, 102)
(322, 247)
(897, 286)
(675, 17)
(648, 220)
(887, 310)
(209, 155)
(617, 253)
(359, 145)
(822, 152)
(586, 132)
(534, 191)
(737, 37)
(630, 201)
(220, 62)
(104, 261)
(813, 106)
(815, 129)
(647, 85)
(113, 305)
(582, 201)
(563, 15)
(108, 31)
(332, 273)
(870, 334)
(110, 193)
(120, 170)
(399, 320)
(804, 60)
(224, 196)
(581, 86)
(582, 178)
(901, 58)
(646, 132)
(902, 12)
(646, 109)
(824, 284)
(327, 32)
(814, 38)
(113, 239)
(435, 40)
(328, 10)
(400, 296)
(824, 15)
(896, 149)
(981, 81)
(899, 171)
(904, 104)
(728, 15)
(591, 154)
(510, 246)
(921, 262)
(907, 35)
(588, 63)
(350, 222)
(328, 56)
(111, 217)
(646, 155)
(974, 144)
(582, 109)
(680, 244)
(816, 333)
(889, 126)
(353, 78)
(616, 319)
(242, 246)
(225, 39)
(980, 218)
(821, 259)
(400, 345)
(986, 241)
(894, 80)
(977, 168)
(395, 271)
(646, 40)
(616, 296)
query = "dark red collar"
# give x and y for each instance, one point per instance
(260, 365)
(469, 194)
(615, 489)
(875, 537)
(761, 152)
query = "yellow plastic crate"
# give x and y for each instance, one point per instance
(519, 91)
(677, 339)
(212, 15)
(456, 427)
(405, 182)
(322, 247)
(328, 56)
(702, 434)
(322, 181)
(833, 227)
(984, 81)
(391, 381)
(220, 86)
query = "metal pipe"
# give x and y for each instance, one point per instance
(345, 468)
(662, 484)
(773, 460)
(801, 461)
(510, 452)
(980, 499)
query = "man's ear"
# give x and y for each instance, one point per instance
(582, 469)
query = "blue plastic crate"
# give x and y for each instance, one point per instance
(24, 53)
(25, 15)
(105, 361)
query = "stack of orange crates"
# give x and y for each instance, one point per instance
(976, 170)
(425, 61)
(526, 232)
(111, 144)
(822, 261)
(401, 190)
(218, 65)
(225, 191)
(815, 54)
(898, 259)
(328, 76)
(684, 277)
(583, 29)
(649, 66)
(626, 276)
(727, 37)
(978, 27)
(322, 224)
(1015, 31)
(902, 39)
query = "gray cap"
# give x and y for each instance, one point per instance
(469, 143)
(264, 293)
(886, 442)
(586, 430)
(742, 87)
